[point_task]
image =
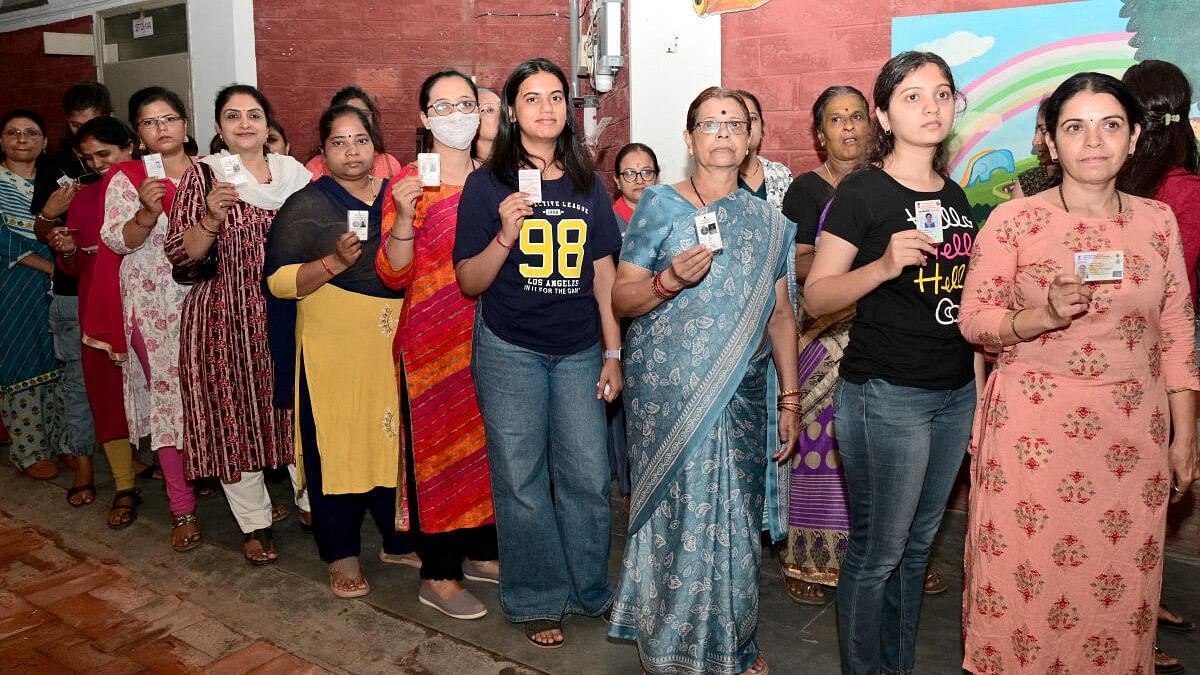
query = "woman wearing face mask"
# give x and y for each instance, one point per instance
(135, 224)
(232, 430)
(385, 165)
(101, 144)
(450, 504)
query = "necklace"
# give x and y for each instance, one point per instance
(832, 181)
(697, 191)
(370, 192)
(1063, 199)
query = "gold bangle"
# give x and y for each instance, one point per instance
(790, 392)
(1012, 325)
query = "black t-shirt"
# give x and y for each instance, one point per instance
(45, 182)
(906, 330)
(803, 204)
(542, 297)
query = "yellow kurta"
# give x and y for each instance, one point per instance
(344, 342)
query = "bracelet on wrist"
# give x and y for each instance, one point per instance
(1012, 325)
(205, 230)
(44, 219)
(612, 354)
(328, 269)
(660, 291)
(788, 393)
(410, 237)
(503, 245)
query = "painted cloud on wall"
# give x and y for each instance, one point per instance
(959, 47)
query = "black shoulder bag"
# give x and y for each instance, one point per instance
(205, 268)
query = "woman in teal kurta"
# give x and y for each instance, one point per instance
(696, 359)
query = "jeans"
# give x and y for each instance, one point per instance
(901, 448)
(77, 414)
(547, 449)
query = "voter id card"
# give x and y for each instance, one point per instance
(65, 181)
(708, 232)
(358, 223)
(929, 218)
(1098, 266)
(429, 165)
(529, 181)
(154, 166)
(231, 166)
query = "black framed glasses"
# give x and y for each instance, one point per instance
(643, 176)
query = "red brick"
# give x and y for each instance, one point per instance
(79, 657)
(170, 656)
(287, 664)
(124, 596)
(47, 633)
(84, 611)
(11, 605)
(79, 579)
(20, 660)
(24, 621)
(245, 659)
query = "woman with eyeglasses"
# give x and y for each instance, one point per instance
(135, 226)
(449, 508)
(707, 318)
(546, 352)
(232, 429)
(489, 124)
(385, 166)
(30, 400)
(635, 169)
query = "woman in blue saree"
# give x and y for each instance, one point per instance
(696, 360)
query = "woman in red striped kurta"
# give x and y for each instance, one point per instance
(451, 510)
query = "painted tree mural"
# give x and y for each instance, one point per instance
(1164, 29)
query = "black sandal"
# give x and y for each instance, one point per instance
(266, 539)
(79, 489)
(536, 626)
(134, 495)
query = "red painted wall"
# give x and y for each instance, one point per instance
(37, 81)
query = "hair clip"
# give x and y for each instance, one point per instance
(1169, 118)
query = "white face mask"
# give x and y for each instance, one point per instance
(455, 130)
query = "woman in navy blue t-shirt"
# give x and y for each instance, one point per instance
(542, 267)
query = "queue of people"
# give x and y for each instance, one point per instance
(474, 353)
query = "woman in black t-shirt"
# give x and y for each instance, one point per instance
(906, 393)
(542, 267)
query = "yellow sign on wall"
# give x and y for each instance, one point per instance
(710, 7)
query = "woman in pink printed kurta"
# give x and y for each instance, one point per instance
(1071, 469)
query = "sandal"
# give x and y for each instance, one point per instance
(934, 583)
(151, 472)
(1167, 623)
(88, 491)
(279, 511)
(406, 559)
(1166, 664)
(43, 469)
(190, 541)
(348, 568)
(804, 592)
(304, 519)
(759, 667)
(539, 626)
(266, 542)
(126, 512)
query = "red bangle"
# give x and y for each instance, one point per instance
(327, 268)
(502, 244)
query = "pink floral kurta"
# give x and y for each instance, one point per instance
(151, 299)
(1069, 474)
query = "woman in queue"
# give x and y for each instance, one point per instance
(698, 464)
(232, 430)
(30, 401)
(546, 351)
(634, 169)
(906, 389)
(385, 166)
(760, 176)
(1082, 291)
(819, 514)
(136, 205)
(314, 257)
(449, 507)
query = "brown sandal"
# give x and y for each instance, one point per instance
(804, 592)
(266, 542)
(190, 541)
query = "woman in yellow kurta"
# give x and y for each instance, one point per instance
(348, 414)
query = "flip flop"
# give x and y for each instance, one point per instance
(80, 489)
(536, 626)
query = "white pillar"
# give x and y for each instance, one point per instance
(221, 43)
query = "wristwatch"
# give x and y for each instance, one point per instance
(612, 354)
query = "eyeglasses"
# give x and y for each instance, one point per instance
(489, 110)
(31, 133)
(444, 107)
(633, 175)
(734, 127)
(164, 121)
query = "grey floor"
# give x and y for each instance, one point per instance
(796, 638)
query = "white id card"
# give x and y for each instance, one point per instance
(1097, 266)
(358, 223)
(529, 181)
(929, 218)
(708, 232)
(429, 164)
(154, 166)
(231, 166)
(65, 181)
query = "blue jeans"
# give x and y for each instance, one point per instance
(901, 449)
(547, 449)
(77, 414)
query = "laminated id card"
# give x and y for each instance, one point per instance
(429, 164)
(65, 181)
(929, 218)
(231, 166)
(154, 166)
(529, 181)
(358, 223)
(708, 233)
(1099, 266)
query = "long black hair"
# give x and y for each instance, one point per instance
(1167, 140)
(509, 154)
(900, 66)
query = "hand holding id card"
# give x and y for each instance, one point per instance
(1100, 266)
(708, 233)
(929, 218)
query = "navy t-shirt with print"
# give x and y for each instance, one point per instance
(906, 330)
(542, 297)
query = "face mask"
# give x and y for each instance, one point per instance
(455, 130)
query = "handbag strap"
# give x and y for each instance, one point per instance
(206, 177)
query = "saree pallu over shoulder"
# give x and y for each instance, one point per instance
(678, 381)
